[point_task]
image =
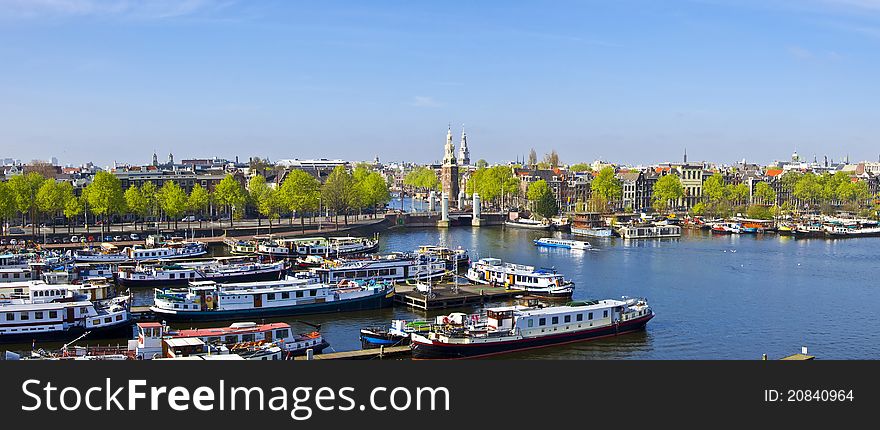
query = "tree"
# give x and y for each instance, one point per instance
(580, 167)
(24, 190)
(808, 190)
(759, 212)
(105, 196)
(300, 193)
(713, 188)
(258, 194)
(7, 205)
(337, 192)
(173, 200)
(72, 209)
(533, 158)
(136, 202)
(765, 194)
(606, 187)
(151, 199)
(737, 194)
(422, 178)
(481, 163)
(552, 159)
(231, 195)
(50, 199)
(542, 199)
(199, 200)
(667, 189)
(373, 191)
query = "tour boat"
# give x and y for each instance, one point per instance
(517, 328)
(326, 246)
(179, 250)
(528, 224)
(391, 267)
(562, 243)
(649, 231)
(61, 312)
(207, 300)
(540, 282)
(591, 231)
(398, 333)
(453, 257)
(218, 270)
(235, 337)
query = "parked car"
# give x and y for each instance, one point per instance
(135, 236)
(16, 230)
(2, 241)
(189, 218)
(74, 239)
(117, 238)
(12, 241)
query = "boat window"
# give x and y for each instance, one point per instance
(231, 339)
(53, 314)
(361, 273)
(10, 316)
(170, 276)
(579, 317)
(25, 316)
(270, 296)
(118, 317)
(313, 293)
(542, 321)
(531, 322)
(554, 320)
(281, 333)
(192, 274)
(247, 337)
(590, 316)
(108, 320)
(38, 315)
(96, 322)
(213, 339)
(567, 319)
(605, 314)
(285, 295)
(299, 293)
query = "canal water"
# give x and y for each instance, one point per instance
(715, 297)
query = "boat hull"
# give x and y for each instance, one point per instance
(273, 275)
(527, 226)
(375, 301)
(441, 351)
(589, 232)
(119, 330)
(374, 339)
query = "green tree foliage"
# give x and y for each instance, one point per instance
(259, 195)
(198, 201)
(808, 189)
(580, 167)
(51, 198)
(667, 190)
(73, 208)
(552, 159)
(765, 194)
(481, 163)
(606, 187)
(24, 190)
(230, 194)
(300, 193)
(422, 178)
(105, 196)
(714, 190)
(542, 200)
(7, 205)
(338, 192)
(136, 202)
(173, 200)
(491, 183)
(372, 190)
(737, 194)
(759, 212)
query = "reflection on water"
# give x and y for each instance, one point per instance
(716, 297)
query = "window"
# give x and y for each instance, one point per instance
(580, 317)
(118, 317)
(531, 322)
(53, 314)
(554, 320)
(231, 339)
(38, 315)
(285, 295)
(247, 337)
(542, 321)
(567, 319)
(170, 276)
(313, 293)
(605, 314)
(25, 316)
(270, 296)
(10, 316)
(96, 322)
(299, 293)
(590, 316)
(281, 333)
(108, 320)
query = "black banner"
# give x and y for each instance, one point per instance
(436, 394)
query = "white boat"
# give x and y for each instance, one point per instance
(180, 250)
(528, 224)
(60, 312)
(238, 246)
(391, 267)
(591, 231)
(218, 270)
(515, 328)
(562, 243)
(330, 247)
(543, 282)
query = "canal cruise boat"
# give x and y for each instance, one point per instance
(218, 270)
(326, 246)
(236, 337)
(391, 267)
(538, 282)
(208, 300)
(517, 328)
(40, 311)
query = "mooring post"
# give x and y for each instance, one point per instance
(310, 354)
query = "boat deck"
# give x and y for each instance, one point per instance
(445, 297)
(393, 352)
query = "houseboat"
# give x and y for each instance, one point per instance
(650, 231)
(454, 258)
(398, 333)
(539, 282)
(328, 247)
(58, 312)
(150, 336)
(179, 250)
(208, 300)
(562, 243)
(240, 247)
(516, 328)
(218, 270)
(590, 224)
(392, 267)
(727, 228)
(808, 230)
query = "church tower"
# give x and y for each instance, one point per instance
(449, 170)
(464, 155)
(155, 159)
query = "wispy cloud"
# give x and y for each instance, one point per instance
(154, 9)
(424, 102)
(800, 53)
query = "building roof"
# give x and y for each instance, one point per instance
(773, 172)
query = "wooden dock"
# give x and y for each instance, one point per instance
(383, 353)
(448, 295)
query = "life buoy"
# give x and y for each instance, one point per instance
(208, 299)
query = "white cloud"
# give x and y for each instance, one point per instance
(424, 101)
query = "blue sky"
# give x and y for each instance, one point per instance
(629, 81)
